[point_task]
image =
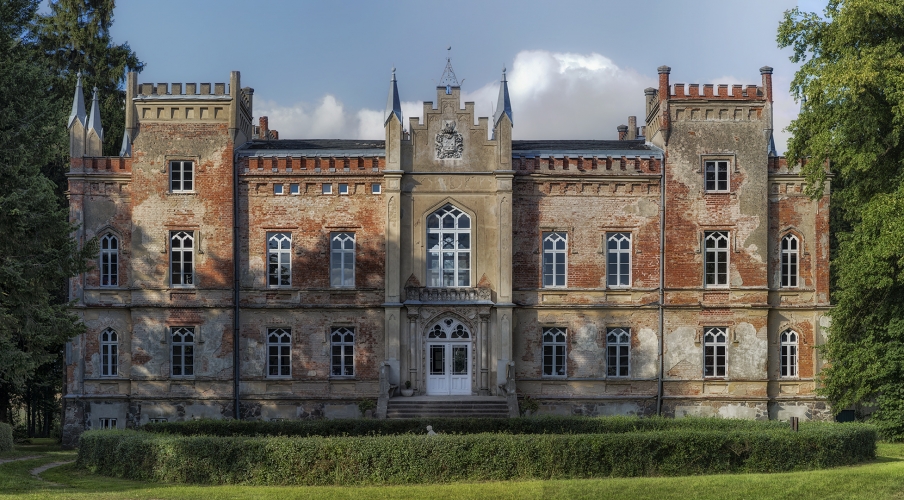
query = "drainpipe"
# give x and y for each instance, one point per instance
(235, 286)
(661, 284)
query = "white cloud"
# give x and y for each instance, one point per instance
(554, 96)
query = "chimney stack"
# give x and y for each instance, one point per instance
(622, 132)
(632, 128)
(264, 128)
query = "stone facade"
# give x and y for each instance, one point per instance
(287, 279)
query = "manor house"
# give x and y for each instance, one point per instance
(676, 269)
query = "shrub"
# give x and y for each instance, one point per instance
(540, 425)
(6, 437)
(412, 458)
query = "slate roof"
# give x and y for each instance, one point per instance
(314, 147)
(637, 145)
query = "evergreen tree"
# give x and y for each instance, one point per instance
(75, 37)
(37, 253)
(852, 76)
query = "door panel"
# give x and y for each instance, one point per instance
(461, 368)
(437, 371)
(448, 368)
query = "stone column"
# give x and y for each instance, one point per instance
(392, 306)
(484, 389)
(413, 364)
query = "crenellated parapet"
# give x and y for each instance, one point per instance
(312, 165)
(586, 165)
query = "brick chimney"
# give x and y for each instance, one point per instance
(622, 132)
(632, 128)
(265, 128)
(274, 135)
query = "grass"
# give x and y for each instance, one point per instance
(883, 478)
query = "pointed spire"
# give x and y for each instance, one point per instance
(771, 151)
(78, 104)
(504, 105)
(449, 79)
(393, 103)
(126, 149)
(94, 121)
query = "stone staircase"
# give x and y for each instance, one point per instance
(447, 406)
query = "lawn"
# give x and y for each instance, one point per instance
(883, 478)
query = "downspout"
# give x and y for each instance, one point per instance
(661, 285)
(236, 371)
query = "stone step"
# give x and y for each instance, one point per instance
(431, 408)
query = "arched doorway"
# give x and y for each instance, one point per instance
(448, 358)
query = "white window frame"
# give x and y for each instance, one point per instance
(109, 353)
(555, 352)
(618, 352)
(342, 259)
(714, 256)
(279, 260)
(279, 353)
(294, 189)
(458, 235)
(157, 420)
(616, 260)
(716, 176)
(789, 354)
(185, 255)
(376, 188)
(342, 352)
(278, 189)
(715, 349)
(182, 180)
(343, 188)
(106, 423)
(186, 350)
(555, 259)
(790, 261)
(109, 260)
(326, 188)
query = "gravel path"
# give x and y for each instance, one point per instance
(36, 472)
(7, 460)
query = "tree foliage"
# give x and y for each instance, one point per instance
(75, 36)
(852, 77)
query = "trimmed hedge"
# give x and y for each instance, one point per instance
(410, 459)
(6, 437)
(373, 427)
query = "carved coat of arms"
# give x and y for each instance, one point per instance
(449, 143)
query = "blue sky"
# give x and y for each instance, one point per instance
(576, 69)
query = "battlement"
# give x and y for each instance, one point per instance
(300, 165)
(582, 165)
(175, 90)
(101, 165)
(738, 92)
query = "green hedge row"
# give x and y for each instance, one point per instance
(372, 427)
(408, 459)
(6, 437)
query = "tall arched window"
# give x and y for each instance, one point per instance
(790, 252)
(109, 353)
(449, 247)
(789, 353)
(109, 261)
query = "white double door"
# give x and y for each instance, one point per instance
(448, 368)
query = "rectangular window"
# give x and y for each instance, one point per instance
(554, 352)
(182, 343)
(554, 259)
(449, 247)
(716, 176)
(789, 261)
(618, 352)
(277, 189)
(109, 353)
(182, 258)
(715, 351)
(293, 189)
(107, 423)
(342, 350)
(375, 188)
(182, 176)
(716, 266)
(618, 260)
(279, 259)
(342, 260)
(109, 261)
(279, 352)
(343, 188)
(156, 420)
(789, 354)
(327, 189)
